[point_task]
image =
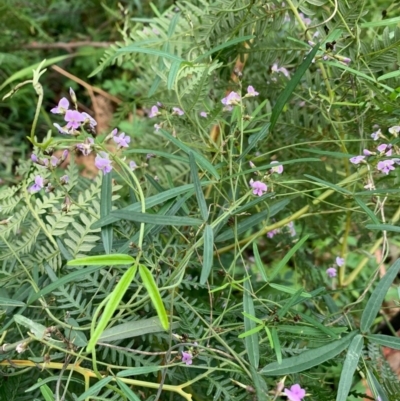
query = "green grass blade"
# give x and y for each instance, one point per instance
(155, 296)
(277, 345)
(107, 260)
(113, 301)
(146, 50)
(95, 389)
(173, 72)
(127, 391)
(383, 227)
(378, 295)
(157, 219)
(329, 184)
(251, 341)
(349, 367)
(385, 341)
(309, 358)
(208, 254)
(259, 263)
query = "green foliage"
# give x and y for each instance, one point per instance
(110, 284)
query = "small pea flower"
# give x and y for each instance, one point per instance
(272, 233)
(132, 165)
(231, 100)
(85, 147)
(251, 92)
(382, 147)
(203, 114)
(21, 347)
(339, 261)
(367, 153)
(394, 130)
(122, 140)
(385, 166)
(34, 158)
(74, 119)
(283, 70)
(357, 159)
(258, 187)
(38, 185)
(376, 135)
(277, 169)
(154, 112)
(64, 180)
(89, 120)
(73, 96)
(331, 272)
(103, 163)
(187, 358)
(54, 161)
(296, 393)
(62, 106)
(177, 111)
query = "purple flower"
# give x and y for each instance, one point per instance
(283, 70)
(331, 272)
(251, 91)
(72, 95)
(34, 158)
(38, 185)
(272, 233)
(277, 169)
(61, 130)
(178, 111)
(385, 166)
(54, 161)
(122, 140)
(187, 358)
(357, 159)
(62, 106)
(64, 179)
(292, 230)
(231, 100)
(296, 393)
(154, 112)
(382, 147)
(74, 119)
(258, 187)
(89, 120)
(203, 114)
(132, 165)
(366, 152)
(85, 147)
(376, 135)
(103, 163)
(339, 261)
(346, 60)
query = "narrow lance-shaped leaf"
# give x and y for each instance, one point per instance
(378, 295)
(309, 358)
(208, 253)
(349, 367)
(155, 296)
(105, 209)
(197, 188)
(251, 342)
(112, 304)
(107, 260)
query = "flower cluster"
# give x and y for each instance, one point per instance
(382, 151)
(295, 393)
(155, 111)
(233, 98)
(289, 227)
(332, 271)
(73, 118)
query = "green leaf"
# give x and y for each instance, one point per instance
(376, 388)
(393, 74)
(197, 187)
(329, 185)
(251, 331)
(276, 345)
(289, 303)
(378, 295)
(383, 22)
(37, 329)
(141, 370)
(367, 210)
(157, 219)
(127, 391)
(290, 87)
(113, 302)
(385, 341)
(224, 45)
(309, 358)
(46, 392)
(150, 202)
(349, 367)
(200, 159)
(259, 384)
(259, 263)
(318, 325)
(152, 289)
(251, 341)
(208, 253)
(282, 263)
(289, 290)
(173, 72)
(95, 389)
(10, 302)
(104, 260)
(105, 209)
(383, 227)
(153, 52)
(134, 329)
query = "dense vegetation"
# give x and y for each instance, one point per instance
(198, 200)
